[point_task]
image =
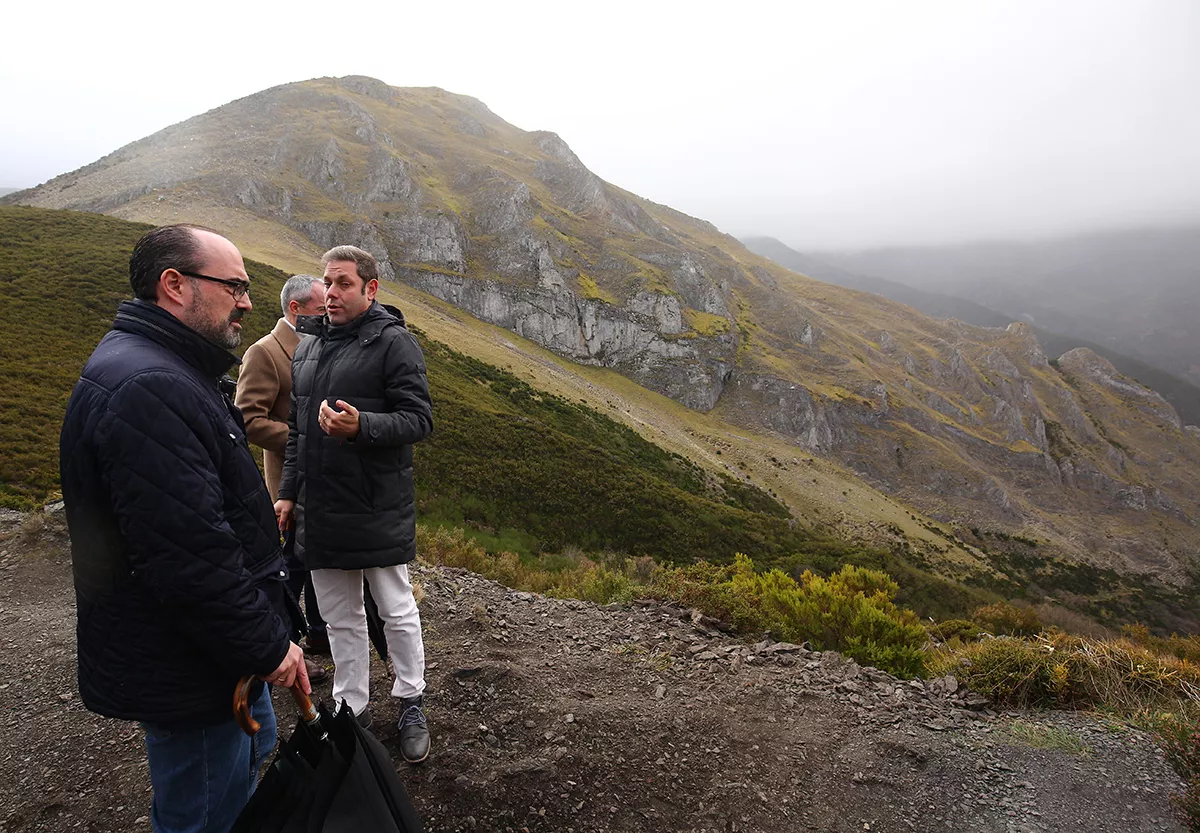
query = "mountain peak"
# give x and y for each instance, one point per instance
(364, 85)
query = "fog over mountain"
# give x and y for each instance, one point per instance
(1136, 291)
(824, 125)
(1160, 369)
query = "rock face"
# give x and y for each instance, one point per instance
(1086, 364)
(972, 425)
(635, 339)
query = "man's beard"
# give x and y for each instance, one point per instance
(223, 334)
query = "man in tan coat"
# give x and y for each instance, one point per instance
(264, 392)
(264, 388)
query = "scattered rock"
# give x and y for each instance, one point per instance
(551, 731)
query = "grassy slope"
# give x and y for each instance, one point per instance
(835, 498)
(64, 274)
(505, 456)
(826, 496)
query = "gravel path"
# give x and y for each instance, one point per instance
(553, 715)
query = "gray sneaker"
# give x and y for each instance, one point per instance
(414, 733)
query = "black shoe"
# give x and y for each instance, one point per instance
(414, 733)
(318, 642)
(364, 718)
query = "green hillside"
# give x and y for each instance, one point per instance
(64, 273)
(531, 469)
(521, 469)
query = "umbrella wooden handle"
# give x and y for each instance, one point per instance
(307, 711)
(241, 705)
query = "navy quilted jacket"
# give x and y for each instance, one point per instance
(175, 551)
(354, 499)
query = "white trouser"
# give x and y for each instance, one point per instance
(340, 596)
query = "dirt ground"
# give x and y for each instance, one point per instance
(553, 715)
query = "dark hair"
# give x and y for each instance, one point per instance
(364, 262)
(163, 248)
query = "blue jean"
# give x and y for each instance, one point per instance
(202, 778)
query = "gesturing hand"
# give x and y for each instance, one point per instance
(343, 423)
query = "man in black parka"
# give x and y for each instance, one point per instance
(360, 400)
(175, 550)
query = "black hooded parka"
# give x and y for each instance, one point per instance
(355, 506)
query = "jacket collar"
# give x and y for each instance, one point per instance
(155, 323)
(366, 327)
(286, 337)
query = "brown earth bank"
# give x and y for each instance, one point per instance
(558, 715)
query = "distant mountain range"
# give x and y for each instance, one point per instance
(1183, 396)
(972, 426)
(1134, 291)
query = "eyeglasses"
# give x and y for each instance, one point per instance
(239, 287)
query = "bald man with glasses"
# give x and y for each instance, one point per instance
(179, 576)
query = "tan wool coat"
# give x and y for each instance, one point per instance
(264, 392)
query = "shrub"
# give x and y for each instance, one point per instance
(708, 588)
(565, 575)
(1009, 619)
(1009, 671)
(948, 629)
(594, 583)
(1182, 647)
(451, 548)
(1060, 670)
(853, 611)
(1056, 616)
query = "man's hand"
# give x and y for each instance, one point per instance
(283, 514)
(343, 423)
(291, 671)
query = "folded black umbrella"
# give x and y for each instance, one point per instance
(375, 623)
(330, 776)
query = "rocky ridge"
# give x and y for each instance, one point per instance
(971, 425)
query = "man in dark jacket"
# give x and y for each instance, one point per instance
(175, 549)
(359, 401)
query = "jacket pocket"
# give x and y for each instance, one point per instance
(346, 481)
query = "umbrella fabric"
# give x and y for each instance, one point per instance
(375, 623)
(330, 776)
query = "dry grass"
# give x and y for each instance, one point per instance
(1060, 670)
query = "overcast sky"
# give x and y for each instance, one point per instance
(826, 124)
